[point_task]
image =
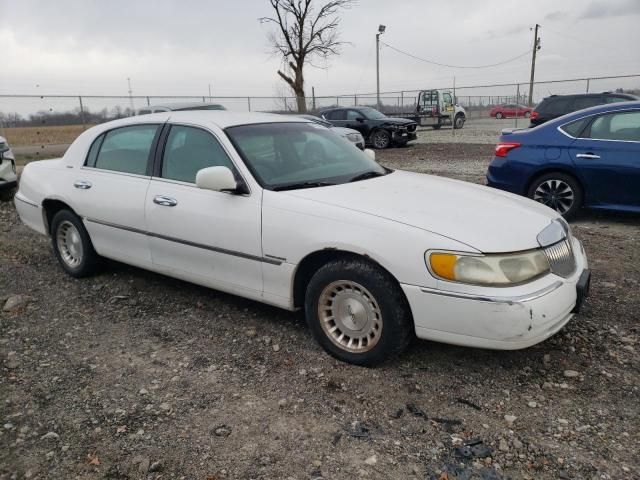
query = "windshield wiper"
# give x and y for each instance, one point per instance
(365, 175)
(296, 186)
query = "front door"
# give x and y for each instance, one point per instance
(208, 237)
(608, 158)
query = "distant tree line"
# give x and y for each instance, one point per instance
(72, 117)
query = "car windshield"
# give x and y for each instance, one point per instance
(286, 156)
(372, 113)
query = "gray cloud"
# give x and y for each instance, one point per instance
(556, 16)
(602, 9)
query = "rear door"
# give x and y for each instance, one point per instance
(608, 159)
(109, 191)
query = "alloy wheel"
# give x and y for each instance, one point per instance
(555, 194)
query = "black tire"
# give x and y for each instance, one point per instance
(437, 127)
(552, 190)
(527, 114)
(85, 260)
(499, 115)
(380, 139)
(392, 312)
(458, 121)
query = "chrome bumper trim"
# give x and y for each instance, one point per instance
(495, 299)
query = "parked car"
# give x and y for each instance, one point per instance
(372, 255)
(557, 105)
(510, 110)
(8, 178)
(377, 129)
(590, 158)
(350, 134)
(176, 107)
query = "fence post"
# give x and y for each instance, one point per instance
(249, 103)
(587, 85)
(313, 98)
(338, 101)
(355, 99)
(517, 102)
(148, 103)
(286, 107)
(82, 113)
(402, 100)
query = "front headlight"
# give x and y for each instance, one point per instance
(498, 270)
(354, 137)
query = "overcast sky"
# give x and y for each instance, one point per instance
(179, 47)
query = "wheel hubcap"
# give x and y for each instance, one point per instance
(350, 316)
(380, 140)
(69, 244)
(555, 194)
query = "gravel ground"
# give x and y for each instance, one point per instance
(476, 131)
(131, 375)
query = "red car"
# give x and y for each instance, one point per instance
(510, 110)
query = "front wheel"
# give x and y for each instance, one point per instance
(380, 139)
(357, 312)
(458, 122)
(558, 191)
(499, 115)
(72, 245)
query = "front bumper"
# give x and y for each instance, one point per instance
(490, 318)
(8, 185)
(404, 136)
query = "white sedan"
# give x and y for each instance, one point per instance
(233, 202)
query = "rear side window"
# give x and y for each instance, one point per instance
(617, 126)
(336, 115)
(189, 150)
(554, 106)
(575, 128)
(125, 149)
(585, 102)
(615, 99)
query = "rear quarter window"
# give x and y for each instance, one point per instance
(575, 128)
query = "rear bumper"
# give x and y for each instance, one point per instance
(7, 185)
(486, 318)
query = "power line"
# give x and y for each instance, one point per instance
(454, 66)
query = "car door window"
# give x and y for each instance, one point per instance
(617, 126)
(124, 149)
(353, 115)
(189, 150)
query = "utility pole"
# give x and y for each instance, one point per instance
(130, 93)
(536, 47)
(381, 29)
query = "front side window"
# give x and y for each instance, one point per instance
(124, 149)
(285, 154)
(446, 98)
(372, 113)
(353, 115)
(617, 126)
(189, 150)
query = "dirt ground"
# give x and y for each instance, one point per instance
(131, 375)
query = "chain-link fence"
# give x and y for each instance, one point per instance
(45, 124)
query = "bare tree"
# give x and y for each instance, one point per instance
(302, 34)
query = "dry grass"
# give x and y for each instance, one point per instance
(45, 135)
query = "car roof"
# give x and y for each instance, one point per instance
(605, 108)
(593, 94)
(220, 118)
(179, 105)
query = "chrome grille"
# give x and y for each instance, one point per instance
(561, 259)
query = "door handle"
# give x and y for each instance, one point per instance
(82, 184)
(165, 201)
(588, 155)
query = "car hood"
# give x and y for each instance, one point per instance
(342, 131)
(486, 219)
(397, 121)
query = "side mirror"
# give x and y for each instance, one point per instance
(370, 153)
(218, 179)
(360, 119)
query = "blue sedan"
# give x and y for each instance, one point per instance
(589, 158)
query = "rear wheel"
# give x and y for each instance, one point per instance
(357, 312)
(380, 139)
(527, 114)
(72, 245)
(558, 191)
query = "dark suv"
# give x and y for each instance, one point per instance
(558, 105)
(377, 129)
